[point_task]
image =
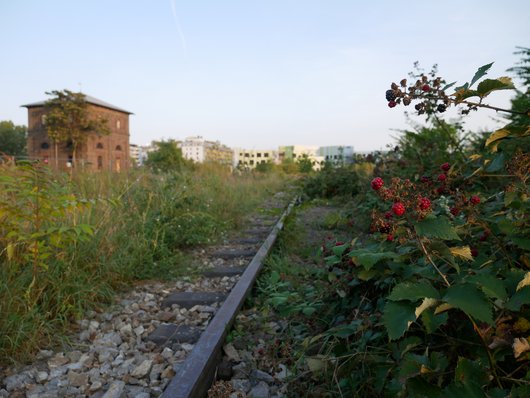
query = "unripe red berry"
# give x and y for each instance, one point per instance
(424, 203)
(475, 200)
(474, 252)
(398, 209)
(455, 211)
(426, 88)
(377, 183)
(442, 177)
(440, 190)
(392, 104)
(388, 215)
(339, 243)
(445, 167)
(390, 237)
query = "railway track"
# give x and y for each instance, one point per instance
(161, 339)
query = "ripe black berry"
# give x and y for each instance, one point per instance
(441, 108)
(390, 96)
(418, 107)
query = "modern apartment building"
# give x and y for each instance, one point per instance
(200, 150)
(250, 158)
(336, 154)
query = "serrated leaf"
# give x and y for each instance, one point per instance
(339, 250)
(368, 259)
(396, 318)
(470, 300)
(436, 227)
(490, 285)
(487, 86)
(482, 71)
(521, 297)
(524, 282)
(497, 135)
(462, 251)
(463, 94)
(413, 291)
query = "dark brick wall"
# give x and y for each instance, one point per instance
(112, 153)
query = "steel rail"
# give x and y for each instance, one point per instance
(196, 375)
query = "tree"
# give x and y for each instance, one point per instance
(12, 139)
(68, 120)
(305, 165)
(167, 156)
(521, 102)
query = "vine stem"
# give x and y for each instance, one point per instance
(495, 108)
(432, 262)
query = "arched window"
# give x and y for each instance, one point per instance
(118, 147)
(99, 145)
(45, 145)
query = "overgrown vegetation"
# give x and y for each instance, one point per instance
(67, 245)
(430, 296)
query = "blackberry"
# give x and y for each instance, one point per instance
(418, 107)
(441, 108)
(390, 96)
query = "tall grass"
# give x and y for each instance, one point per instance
(77, 241)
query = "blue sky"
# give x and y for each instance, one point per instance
(254, 74)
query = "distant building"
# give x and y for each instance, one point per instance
(250, 158)
(336, 154)
(99, 152)
(200, 150)
(295, 152)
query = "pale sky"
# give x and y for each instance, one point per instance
(249, 73)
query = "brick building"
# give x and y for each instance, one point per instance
(99, 152)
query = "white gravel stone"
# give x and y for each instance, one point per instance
(143, 369)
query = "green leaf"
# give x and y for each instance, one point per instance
(448, 86)
(368, 259)
(470, 300)
(339, 250)
(523, 243)
(496, 164)
(521, 297)
(431, 321)
(487, 86)
(413, 291)
(462, 94)
(411, 366)
(489, 284)
(436, 227)
(482, 71)
(468, 372)
(308, 311)
(458, 390)
(396, 318)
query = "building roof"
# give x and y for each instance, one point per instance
(89, 99)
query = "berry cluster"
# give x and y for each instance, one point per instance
(430, 93)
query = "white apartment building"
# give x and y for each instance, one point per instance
(200, 150)
(138, 153)
(250, 158)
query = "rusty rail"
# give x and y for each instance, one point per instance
(197, 373)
